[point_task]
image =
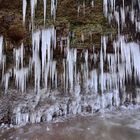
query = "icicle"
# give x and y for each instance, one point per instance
(47, 36)
(53, 8)
(3, 64)
(18, 115)
(116, 14)
(122, 17)
(47, 74)
(84, 8)
(137, 26)
(104, 46)
(102, 71)
(44, 48)
(70, 68)
(94, 81)
(45, 7)
(86, 70)
(21, 78)
(82, 37)
(1, 49)
(53, 70)
(116, 98)
(6, 80)
(64, 74)
(55, 79)
(24, 10)
(53, 37)
(78, 10)
(36, 40)
(33, 5)
(75, 65)
(132, 16)
(2, 56)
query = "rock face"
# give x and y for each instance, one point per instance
(7, 5)
(11, 20)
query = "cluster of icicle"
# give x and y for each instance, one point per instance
(19, 73)
(121, 66)
(33, 4)
(120, 13)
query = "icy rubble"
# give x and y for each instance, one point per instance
(45, 10)
(21, 77)
(18, 54)
(2, 61)
(35, 111)
(5, 79)
(33, 4)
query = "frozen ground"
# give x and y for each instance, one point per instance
(116, 125)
